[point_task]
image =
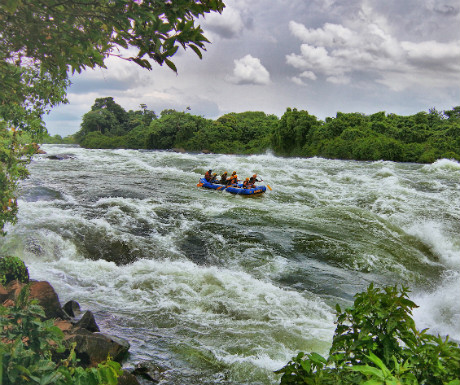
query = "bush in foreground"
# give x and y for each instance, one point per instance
(376, 343)
(31, 351)
(12, 268)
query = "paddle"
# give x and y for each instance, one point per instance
(267, 184)
(199, 185)
(218, 188)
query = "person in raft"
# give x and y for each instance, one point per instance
(246, 183)
(223, 178)
(208, 176)
(214, 178)
(253, 180)
(233, 181)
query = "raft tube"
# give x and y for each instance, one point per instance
(233, 190)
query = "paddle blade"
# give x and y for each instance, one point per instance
(199, 185)
(269, 187)
(218, 188)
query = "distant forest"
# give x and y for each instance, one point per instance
(423, 137)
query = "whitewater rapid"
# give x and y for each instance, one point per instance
(218, 288)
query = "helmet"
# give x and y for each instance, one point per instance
(254, 176)
(225, 173)
(210, 171)
(214, 174)
(234, 173)
(247, 178)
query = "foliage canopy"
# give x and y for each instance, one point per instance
(423, 137)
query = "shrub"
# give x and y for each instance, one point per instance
(376, 342)
(12, 268)
(29, 349)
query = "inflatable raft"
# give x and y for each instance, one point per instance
(232, 190)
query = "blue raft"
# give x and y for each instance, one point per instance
(232, 190)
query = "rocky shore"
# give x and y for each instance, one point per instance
(80, 327)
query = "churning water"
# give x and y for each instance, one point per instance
(218, 288)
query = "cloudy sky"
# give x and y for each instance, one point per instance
(323, 56)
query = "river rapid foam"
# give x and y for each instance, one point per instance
(226, 289)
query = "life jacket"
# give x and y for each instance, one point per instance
(233, 179)
(208, 176)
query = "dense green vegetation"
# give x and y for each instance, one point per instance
(13, 268)
(376, 343)
(423, 137)
(33, 350)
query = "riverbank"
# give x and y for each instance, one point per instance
(80, 331)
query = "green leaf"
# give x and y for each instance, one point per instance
(317, 358)
(196, 50)
(171, 65)
(368, 371)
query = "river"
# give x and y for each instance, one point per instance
(219, 288)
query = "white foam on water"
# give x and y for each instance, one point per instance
(439, 309)
(358, 204)
(440, 241)
(444, 164)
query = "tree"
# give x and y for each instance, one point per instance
(290, 136)
(43, 41)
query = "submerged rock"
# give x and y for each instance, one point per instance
(60, 156)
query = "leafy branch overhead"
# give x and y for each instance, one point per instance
(69, 35)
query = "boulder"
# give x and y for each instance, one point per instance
(88, 322)
(3, 294)
(13, 289)
(64, 325)
(72, 308)
(93, 348)
(150, 372)
(128, 379)
(47, 298)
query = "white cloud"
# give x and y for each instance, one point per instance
(328, 36)
(227, 25)
(298, 81)
(432, 51)
(249, 70)
(308, 75)
(365, 47)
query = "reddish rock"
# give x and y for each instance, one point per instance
(14, 288)
(47, 298)
(3, 294)
(65, 326)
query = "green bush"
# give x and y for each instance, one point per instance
(376, 342)
(12, 268)
(29, 351)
